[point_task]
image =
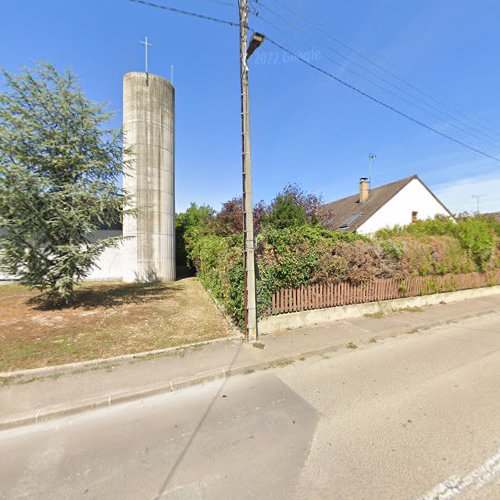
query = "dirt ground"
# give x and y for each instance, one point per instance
(108, 319)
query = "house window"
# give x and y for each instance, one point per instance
(414, 217)
(350, 220)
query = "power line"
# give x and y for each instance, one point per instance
(382, 103)
(382, 68)
(406, 96)
(186, 12)
(327, 73)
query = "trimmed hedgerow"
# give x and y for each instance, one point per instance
(305, 254)
(479, 237)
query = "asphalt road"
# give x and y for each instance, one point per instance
(417, 416)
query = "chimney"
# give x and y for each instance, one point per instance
(364, 189)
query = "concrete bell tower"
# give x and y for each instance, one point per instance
(149, 126)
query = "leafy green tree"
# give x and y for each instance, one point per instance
(59, 170)
(285, 213)
(190, 226)
(292, 207)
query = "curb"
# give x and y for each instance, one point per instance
(221, 373)
(69, 367)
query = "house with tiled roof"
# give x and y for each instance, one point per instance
(397, 203)
(493, 215)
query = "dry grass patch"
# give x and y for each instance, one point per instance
(412, 309)
(107, 319)
(376, 315)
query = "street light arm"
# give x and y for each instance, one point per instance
(256, 41)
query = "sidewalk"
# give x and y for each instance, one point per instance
(26, 399)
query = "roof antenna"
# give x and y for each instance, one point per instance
(371, 158)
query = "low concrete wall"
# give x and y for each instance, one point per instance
(288, 321)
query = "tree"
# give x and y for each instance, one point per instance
(292, 207)
(230, 219)
(190, 225)
(59, 169)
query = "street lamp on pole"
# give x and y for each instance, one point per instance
(251, 332)
(255, 42)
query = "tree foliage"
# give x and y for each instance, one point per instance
(59, 167)
(293, 249)
(191, 225)
(292, 207)
(230, 218)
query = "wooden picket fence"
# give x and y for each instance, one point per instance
(321, 295)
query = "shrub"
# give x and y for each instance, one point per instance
(291, 256)
(392, 249)
(190, 226)
(479, 236)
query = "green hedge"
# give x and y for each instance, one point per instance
(478, 236)
(310, 254)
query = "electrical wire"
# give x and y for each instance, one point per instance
(328, 74)
(186, 12)
(407, 97)
(388, 71)
(378, 101)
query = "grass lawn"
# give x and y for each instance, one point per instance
(108, 319)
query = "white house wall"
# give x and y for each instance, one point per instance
(110, 266)
(414, 197)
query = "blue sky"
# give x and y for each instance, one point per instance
(306, 128)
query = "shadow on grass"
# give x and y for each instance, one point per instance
(110, 295)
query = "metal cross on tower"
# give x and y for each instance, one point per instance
(146, 45)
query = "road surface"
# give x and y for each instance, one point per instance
(416, 416)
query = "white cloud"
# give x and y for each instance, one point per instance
(458, 195)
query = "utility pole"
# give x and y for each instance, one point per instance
(251, 331)
(478, 197)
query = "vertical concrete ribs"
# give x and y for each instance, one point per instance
(149, 126)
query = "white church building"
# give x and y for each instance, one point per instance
(148, 251)
(397, 203)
